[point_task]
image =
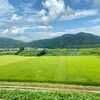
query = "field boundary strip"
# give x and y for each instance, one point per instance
(49, 87)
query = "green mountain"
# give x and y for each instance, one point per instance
(7, 42)
(78, 40)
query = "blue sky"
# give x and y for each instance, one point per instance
(29, 20)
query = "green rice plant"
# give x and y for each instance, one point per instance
(82, 70)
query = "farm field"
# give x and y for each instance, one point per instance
(27, 95)
(79, 70)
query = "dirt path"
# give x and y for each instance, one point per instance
(48, 87)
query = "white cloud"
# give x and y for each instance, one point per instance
(23, 33)
(14, 31)
(74, 14)
(25, 22)
(5, 31)
(94, 30)
(78, 1)
(55, 34)
(43, 35)
(17, 31)
(23, 38)
(27, 8)
(46, 35)
(55, 9)
(14, 25)
(33, 28)
(16, 17)
(50, 34)
(6, 8)
(43, 27)
(96, 3)
(97, 20)
(42, 12)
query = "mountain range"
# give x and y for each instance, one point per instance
(79, 40)
(10, 43)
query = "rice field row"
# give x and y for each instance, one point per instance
(81, 70)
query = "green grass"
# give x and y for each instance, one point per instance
(83, 70)
(63, 52)
(26, 95)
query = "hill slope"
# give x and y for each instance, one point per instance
(7, 42)
(79, 40)
(68, 41)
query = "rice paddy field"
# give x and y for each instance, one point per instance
(79, 70)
